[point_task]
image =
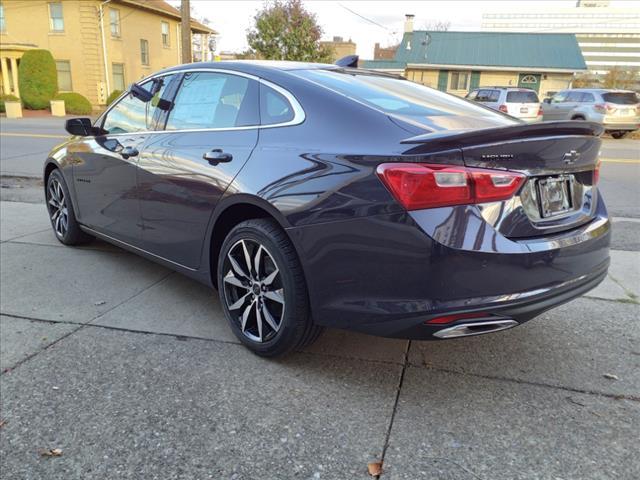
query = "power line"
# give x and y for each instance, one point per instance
(368, 19)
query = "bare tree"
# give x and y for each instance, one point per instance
(437, 26)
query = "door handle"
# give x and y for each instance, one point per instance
(127, 152)
(217, 156)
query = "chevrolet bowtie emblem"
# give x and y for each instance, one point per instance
(571, 157)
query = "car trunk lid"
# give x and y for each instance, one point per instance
(558, 158)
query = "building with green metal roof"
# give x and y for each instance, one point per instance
(458, 62)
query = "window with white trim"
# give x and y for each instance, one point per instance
(114, 22)
(56, 18)
(166, 39)
(63, 68)
(459, 81)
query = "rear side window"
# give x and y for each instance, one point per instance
(574, 97)
(522, 97)
(588, 98)
(397, 96)
(488, 96)
(620, 98)
(214, 100)
(274, 107)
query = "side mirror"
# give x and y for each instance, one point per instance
(79, 126)
(546, 100)
(140, 93)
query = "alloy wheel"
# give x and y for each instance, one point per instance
(253, 290)
(58, 208)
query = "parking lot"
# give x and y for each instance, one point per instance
(131, 371)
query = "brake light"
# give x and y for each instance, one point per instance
(596, 172)
(604, 108)
(540, 111)
(418, 185)
(503, 109)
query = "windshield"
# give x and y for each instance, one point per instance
(620, 98)
(410, 101)
(522, 97)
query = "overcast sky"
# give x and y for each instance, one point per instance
(232, 18)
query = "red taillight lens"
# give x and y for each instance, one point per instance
(503, 109)
(539, 111)
(418, 185)
(596, 172)
(604, 108)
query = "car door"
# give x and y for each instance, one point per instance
(554, 109)
(105, 168)
(209, 134)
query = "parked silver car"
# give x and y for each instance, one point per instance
(522, 103)
(617, 110)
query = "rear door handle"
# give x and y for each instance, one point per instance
(217, 156)
(127, 152)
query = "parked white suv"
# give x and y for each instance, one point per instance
(617, 110)
(521, 103)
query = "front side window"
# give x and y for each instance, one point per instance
(63, 68)
(400, 97)
(144, 51)
(459, 81)
(274, 107)
(56, 20)
(574, 97)
(559, 97)
(165, 34)
(117, 70)
(131, 114)
(214, 100)
(114, 22)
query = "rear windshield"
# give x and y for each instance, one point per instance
(403, 98)
(522, 97)
(621, 98)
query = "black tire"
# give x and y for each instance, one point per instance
(278, 276)
(619, 135)
(578, 118)
(61, 212)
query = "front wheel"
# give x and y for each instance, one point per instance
(263, 290)
(61, 212)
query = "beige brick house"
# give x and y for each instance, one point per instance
(98, 46)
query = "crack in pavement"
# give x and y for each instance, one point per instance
(80, 325)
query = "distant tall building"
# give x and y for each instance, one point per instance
(609, 37)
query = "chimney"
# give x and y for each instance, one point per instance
(408, 23)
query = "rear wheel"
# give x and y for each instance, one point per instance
(61, 212)
(262, 289)
(578, 117)
(619, 135)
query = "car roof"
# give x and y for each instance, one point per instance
(598, 90)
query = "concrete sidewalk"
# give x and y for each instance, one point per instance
(131, 370)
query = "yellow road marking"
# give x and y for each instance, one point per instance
(35, 135)
(620, 160)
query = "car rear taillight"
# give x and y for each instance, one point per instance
(604, 108)
(539, 111)
(503, 109)
(418, 185)
(596, 172)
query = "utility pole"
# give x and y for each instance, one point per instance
(185, 27)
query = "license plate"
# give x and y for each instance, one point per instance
(555, 195)
(524, 110)
(624, 112)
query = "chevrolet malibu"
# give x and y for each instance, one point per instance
(316, 196)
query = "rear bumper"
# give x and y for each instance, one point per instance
(629, 126)
(389, 274)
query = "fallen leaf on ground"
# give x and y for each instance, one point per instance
(375, 468)
(575, 402)
(610, 376)
(52, 452)
(2, 423)
(101, 302)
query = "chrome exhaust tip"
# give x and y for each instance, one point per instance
(475, 328)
